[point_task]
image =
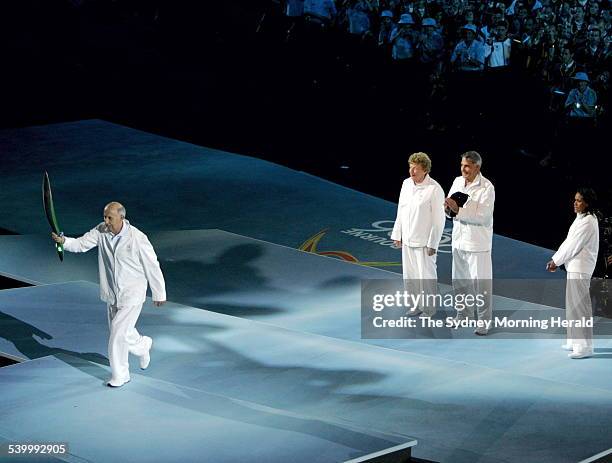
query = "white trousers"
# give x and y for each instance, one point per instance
(417, 265)
(473, 274)
(124, 338)
(420, 274)
(577, 306)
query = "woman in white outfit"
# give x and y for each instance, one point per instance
(419, 225)
(579, 255)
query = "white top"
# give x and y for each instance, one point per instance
(420, 214)
(115, 238)
(499, 53)
(579, 250)
(463, 53)
(124, 269)
(473, 225)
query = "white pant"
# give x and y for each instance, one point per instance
(473, 273)
(417, 265)
(124, 338)
(577, 306)
(468, 265)
(420, 274)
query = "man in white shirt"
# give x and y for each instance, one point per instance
(473, 236)
(126, 264)
(489, 30)
(418, 227)
(497, 50)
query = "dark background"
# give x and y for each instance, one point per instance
(222, 74)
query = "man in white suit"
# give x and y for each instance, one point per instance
(473, 234)
(126, 263)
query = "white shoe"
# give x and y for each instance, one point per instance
(567, 347)
(114, 383)
(145, 359)
(580, 354)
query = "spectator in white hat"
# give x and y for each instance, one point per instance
(581, 101)
(386, 27)
(402, 39)
(469, 54)
(577, 135)
(430, 44)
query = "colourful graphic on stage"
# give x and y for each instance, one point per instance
(312, 243)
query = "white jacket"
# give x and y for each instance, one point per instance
(124, 272)
(579, 250)
(420, 214)
(473, 225)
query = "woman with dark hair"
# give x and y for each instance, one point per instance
(579, 255)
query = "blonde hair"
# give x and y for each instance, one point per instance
(421, 159)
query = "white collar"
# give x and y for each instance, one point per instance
(476, 181)
(123, 231)
(426, 181)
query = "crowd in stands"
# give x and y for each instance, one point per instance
(463, 52)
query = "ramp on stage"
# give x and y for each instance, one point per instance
(220, 372)
(243, 277)
(168, 185)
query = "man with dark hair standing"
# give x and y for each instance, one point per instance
(473, 235)
(498, 47)
(591, 55)
(126, 262)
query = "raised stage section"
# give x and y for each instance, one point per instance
(171, 185)
(458, 411)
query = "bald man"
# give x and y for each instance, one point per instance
(127, 263)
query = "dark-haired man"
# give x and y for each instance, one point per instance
(473, 237)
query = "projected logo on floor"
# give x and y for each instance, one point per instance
(379, 233)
